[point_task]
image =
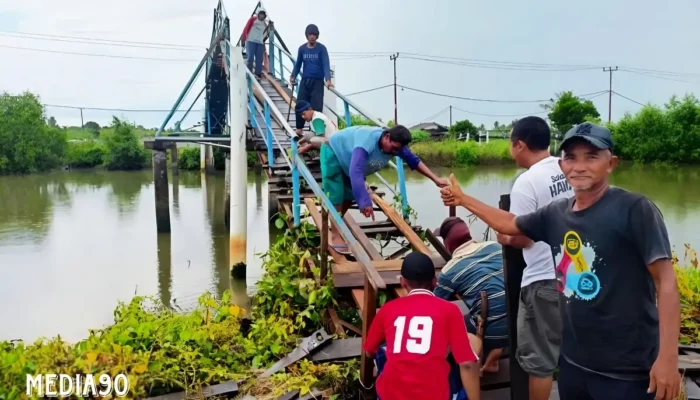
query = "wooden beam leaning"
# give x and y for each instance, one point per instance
(402, 225)
(324, 245)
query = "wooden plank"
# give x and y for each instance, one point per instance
(351, 327)
(401, 292)
(383, 265)
(324, 245)
(335, 322)
(339, 350)
(368, 313)
(316, 216)
(359, 296)
(362, 238)
(403, 226)
(437, 244)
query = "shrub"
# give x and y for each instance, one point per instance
(84, 154)
(189, 158)
(123, 149)
(454, 153)
(420, 136)
(28, 143)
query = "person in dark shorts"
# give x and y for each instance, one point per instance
(419, 331)
(539, 322)
(312, 60)
(613, 264)
(475, 267)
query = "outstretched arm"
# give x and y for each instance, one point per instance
(416, 164)
(501, 221)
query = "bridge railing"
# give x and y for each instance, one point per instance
(279, 72)
(299, 169)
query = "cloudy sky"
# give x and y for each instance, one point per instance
(640, 37)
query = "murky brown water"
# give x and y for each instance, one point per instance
(72, 244)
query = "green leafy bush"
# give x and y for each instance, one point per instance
(188, 158)
(84, 154)
(420, 136)
(454, 153)
(28, 143)
(124, 151)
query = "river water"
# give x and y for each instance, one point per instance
(73, 244)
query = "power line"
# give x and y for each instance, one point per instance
(98, 55)
(503, 67)
(370, 90)
(81, 41)
(658, 76)
(499, 115)
(104, 40)
(471, 98)
(432, 117)
(627, 98)
(111, 109)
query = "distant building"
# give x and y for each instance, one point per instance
(435, 130)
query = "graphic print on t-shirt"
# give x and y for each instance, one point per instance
(574, 268)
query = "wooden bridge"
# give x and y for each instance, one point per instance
(259, 116)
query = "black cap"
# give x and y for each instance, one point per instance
(418, 267)
(598, 136)
(446, 225)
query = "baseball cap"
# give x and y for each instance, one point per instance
(598, 136)
(418, 267)
(302, 105)
(446, 225)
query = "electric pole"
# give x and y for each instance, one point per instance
(82, 124)
(450, 115)
(396, 109)
(611, 70)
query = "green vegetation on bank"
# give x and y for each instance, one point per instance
(455, 153)
(163, 351)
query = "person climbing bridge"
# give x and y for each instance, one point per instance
(355, 152)
(618, 292)
(253, 39)
(313, 57)
(420, 330)
(321, 127)
(475, 267)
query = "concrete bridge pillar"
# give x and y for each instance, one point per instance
(174, 159)
(160, 181)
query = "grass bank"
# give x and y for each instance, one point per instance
(454, 153)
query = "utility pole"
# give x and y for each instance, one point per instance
(82, 124)
(396, 109)
(611, 70)
(450, 115)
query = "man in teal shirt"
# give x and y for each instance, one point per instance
(355, 152)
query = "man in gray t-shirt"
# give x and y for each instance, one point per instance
(612, 261)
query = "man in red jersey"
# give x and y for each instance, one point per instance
(420, 330)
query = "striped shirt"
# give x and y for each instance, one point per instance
(477, 267)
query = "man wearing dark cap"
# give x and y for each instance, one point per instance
(313, 57)
(612, 261)
(419, 330)
(322, 128)
(475, 267)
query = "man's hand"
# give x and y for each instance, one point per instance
(291, 80)
(503, 239)
(441, 183)
(329, 83)
(451, 194)
(368, 212)
(664, 378)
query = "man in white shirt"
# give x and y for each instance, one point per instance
(539, 320)
(322, 128)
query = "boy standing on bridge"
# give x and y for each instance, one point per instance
(253, 39)
(355, 152)
(419, 330)
(313, 56)
(322, 128)
(539, 322)
(613, 264)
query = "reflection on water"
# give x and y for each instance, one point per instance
(72, 244)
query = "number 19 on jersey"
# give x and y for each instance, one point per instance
(420, 332)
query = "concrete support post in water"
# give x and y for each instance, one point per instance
(227, 192)
(174, 159)
(238, 165)
(160, 180)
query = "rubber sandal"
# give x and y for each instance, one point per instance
(341, 249)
